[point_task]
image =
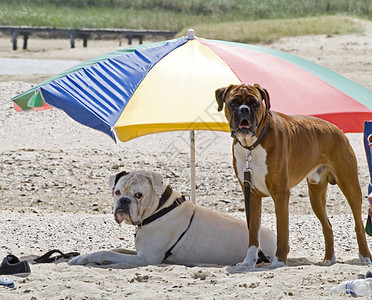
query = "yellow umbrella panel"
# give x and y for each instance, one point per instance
(178, 94)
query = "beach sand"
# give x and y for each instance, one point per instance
(54, 194)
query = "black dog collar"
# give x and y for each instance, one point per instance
(165, 196)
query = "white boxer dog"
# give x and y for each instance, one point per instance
(171, 229)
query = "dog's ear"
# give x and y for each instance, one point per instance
(264, 95)
(220, 96)
(113, 180)
(157, 182)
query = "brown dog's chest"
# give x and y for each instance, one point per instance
(258, 166)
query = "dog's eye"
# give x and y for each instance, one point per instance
(233, 104)
(255, 105)
(138, 195)
(117, 193)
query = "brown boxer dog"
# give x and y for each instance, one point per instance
(284, 150)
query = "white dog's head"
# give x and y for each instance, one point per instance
(136, 195)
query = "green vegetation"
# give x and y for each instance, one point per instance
(223, 19)
(266, 31)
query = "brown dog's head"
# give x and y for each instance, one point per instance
(245, 108)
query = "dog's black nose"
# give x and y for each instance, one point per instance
(244, 109)
(124, 201)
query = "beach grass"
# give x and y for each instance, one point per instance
(267, 31)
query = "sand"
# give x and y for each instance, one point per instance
(54, 194)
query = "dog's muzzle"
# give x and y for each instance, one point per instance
(122, 209)
(243, 122)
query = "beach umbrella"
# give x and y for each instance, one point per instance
(170, 85)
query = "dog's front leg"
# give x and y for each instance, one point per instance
(281, 201)
(110, 257)
(253, 228)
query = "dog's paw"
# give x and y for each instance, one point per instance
(329, 262)
(277, 264)
(78, 260)
(364, 260)
(251, 257)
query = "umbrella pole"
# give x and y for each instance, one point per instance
(192, 157)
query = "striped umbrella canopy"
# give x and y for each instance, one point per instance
(170, 85)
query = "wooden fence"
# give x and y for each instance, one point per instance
(84, 34)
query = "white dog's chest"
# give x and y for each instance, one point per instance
(257, 165)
